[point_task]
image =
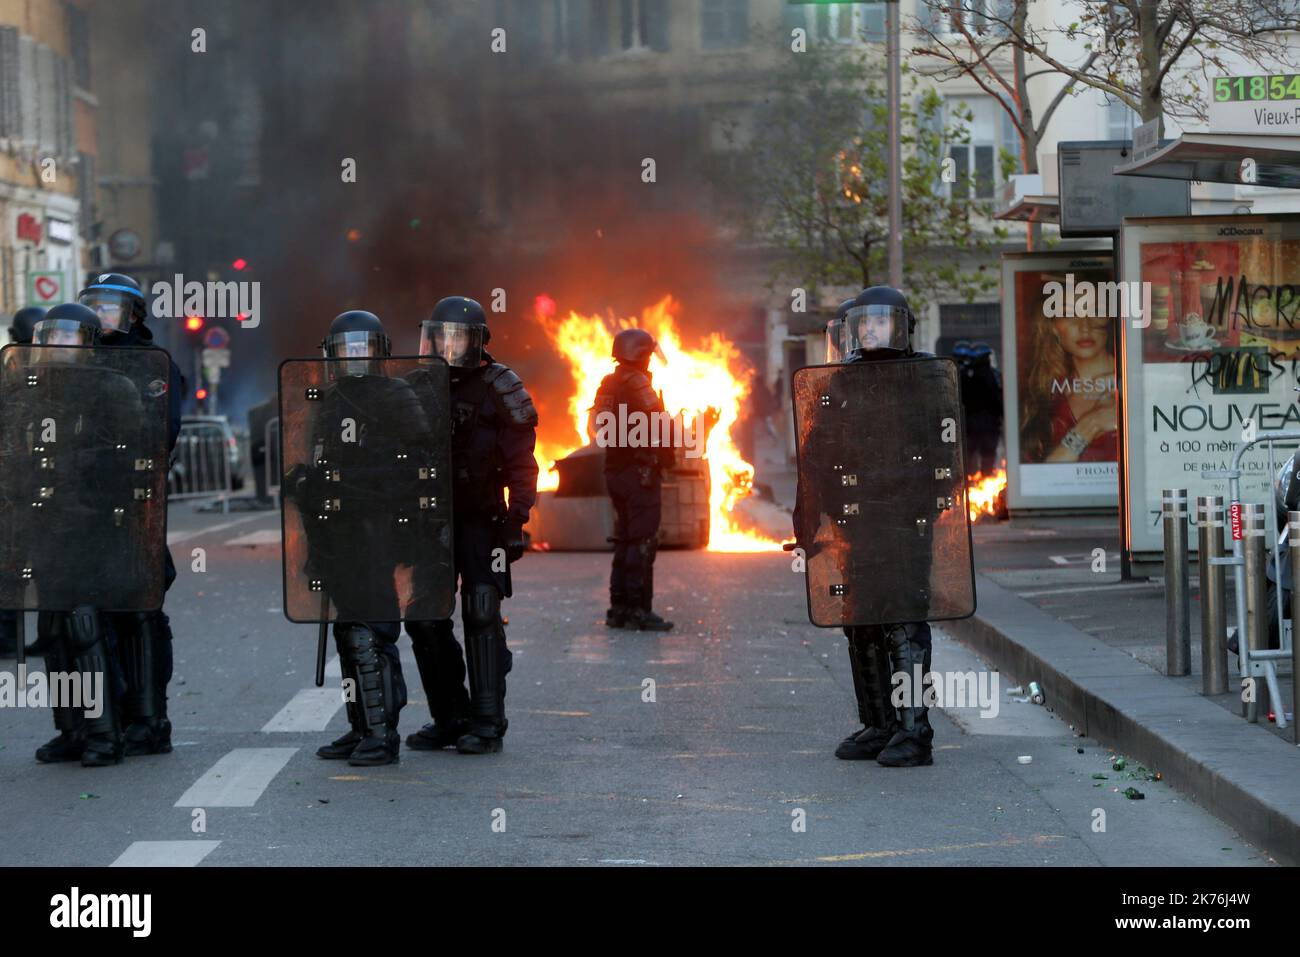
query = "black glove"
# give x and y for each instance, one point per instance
(515, 541)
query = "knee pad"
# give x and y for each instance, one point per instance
(480, 608)
(85, 628)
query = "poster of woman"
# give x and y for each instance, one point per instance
(1063, 441)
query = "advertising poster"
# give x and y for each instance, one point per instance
(1059, 386)
(1218, 357)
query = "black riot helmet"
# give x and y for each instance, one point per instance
(457, 331)
(878, 320)
(117, 300)
(635, 347)
(69, 324)
(835, 332)
(24, 321)
(358, 337)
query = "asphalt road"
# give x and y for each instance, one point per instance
(731, 763)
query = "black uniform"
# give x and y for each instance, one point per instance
(145, 638)
(893, 736)
(20, 331)
(494, 427)
(634, 478)
(981, 399)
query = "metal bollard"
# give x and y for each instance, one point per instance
(1293, 538)
(1178, 633)
(1255, 552)
(1214, 621)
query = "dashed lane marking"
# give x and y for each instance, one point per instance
(165, 854)
(238, 779)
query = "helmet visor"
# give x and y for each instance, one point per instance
(877, 327)
(835, 330)
(113, 308)
(63, 332)
(459, 343)
(356, 345)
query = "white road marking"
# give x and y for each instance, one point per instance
(311, 709)
(263, 536)
(238, 779)
(165, 853)
(176, 537)
(1114, 586)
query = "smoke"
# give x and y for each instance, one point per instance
(475, 171)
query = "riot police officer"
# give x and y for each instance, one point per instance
(145, 637)
(877, 326)
(80, 641)
(360, 424)
(494, 430)
(981, 399)
(634, 479)
(20, 332)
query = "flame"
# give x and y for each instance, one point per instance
(692, 379)
(984, 493)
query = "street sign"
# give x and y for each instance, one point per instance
(1147, 137)
(1267, 105)
(45, 288)
(216, 359)
(216, 338)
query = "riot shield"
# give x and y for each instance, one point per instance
(882, 511)
(83, 477)
(366, 489)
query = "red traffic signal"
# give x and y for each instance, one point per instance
(239, 264)
(193, 323)
(200, 394)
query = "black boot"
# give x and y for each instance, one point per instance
(485, 648)
(341, 748)
(442, 672)
(144, 708)
(379, 697)
(103, 732)
(616, 616)
(869, 662)
(911, 744)
(70, 741)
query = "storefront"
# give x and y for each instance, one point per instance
(40, 252)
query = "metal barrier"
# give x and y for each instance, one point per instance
(201, 464)
(271, 455)
(1252, 541)
(1214, 622)
(1178, 634)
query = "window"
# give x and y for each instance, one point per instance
(973, 15)
(844, 22)
(724, 23)
(79, 44)
(644, 24)
(1120, 120)
(990, 130)
(570, 28)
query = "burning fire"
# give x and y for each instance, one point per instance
(983, 493)
(691, 380)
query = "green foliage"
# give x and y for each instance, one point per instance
(818, 191)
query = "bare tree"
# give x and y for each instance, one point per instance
(984, 47)
(1134, 46)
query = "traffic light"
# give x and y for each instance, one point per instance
(201, 394)
(193, 323)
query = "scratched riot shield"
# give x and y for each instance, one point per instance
(366, 518)
(83, 477)
(882, 512)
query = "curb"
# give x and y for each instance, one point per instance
(1243, 775)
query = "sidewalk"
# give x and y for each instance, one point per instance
(1096, 645)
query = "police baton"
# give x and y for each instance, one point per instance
(321, 639)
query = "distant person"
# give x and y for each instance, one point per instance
(981, 399)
